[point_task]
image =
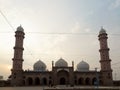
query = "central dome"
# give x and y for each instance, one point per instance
(83, 66)
(39, 66)
(61, 63)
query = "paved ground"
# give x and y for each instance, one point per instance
(57, 87)
(82, 87)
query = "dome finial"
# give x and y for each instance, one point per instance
(102, 30)
(20, 28)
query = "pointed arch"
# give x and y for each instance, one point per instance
(80, 81)
(37, 81)
(30, 81)
(62, 77)
(62, 81)
(44, 81)
(87, 81)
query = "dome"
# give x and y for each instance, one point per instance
(61, 63)
(39, 66)
(102, 31)
(83, 66)
(20, 28)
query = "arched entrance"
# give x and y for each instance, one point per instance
(44, 81)
(30, 81)
(62, 81)
(87, 81)
(80, 81)
(37, 81)
(63, 77)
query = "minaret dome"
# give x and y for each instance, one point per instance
(102, 30)
(20, 28)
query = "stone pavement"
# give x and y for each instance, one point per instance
(62, 87)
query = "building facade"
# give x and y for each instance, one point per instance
(61, 73)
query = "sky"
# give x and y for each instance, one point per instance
(59, 28)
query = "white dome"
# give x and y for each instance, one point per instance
(83, 66)
(61, 63)
(39, 66)
(102, 31)
(20, 28)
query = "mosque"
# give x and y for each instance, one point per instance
(61, 73)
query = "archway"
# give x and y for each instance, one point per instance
(75, 82)
(44, 81)
(62, 81)
(37, 81)
(30, 81)
(80, 81)
(94, 81)
(63, 77)
(87, 81)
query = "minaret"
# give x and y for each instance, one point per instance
(17, 70)
(105, 61)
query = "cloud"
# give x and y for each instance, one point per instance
(80, 28)
(56, 44)
(115, 4)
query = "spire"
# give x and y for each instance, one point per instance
(52, 63)
(73, 64)
(102, 30)
(20, 28)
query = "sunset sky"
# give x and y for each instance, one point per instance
(59, 28)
